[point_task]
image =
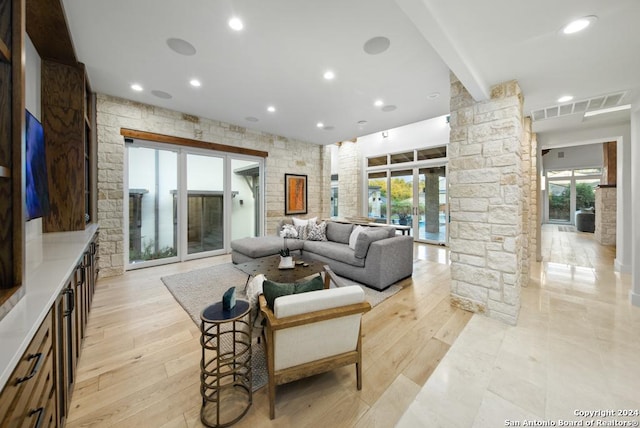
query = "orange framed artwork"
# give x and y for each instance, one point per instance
(295, 194)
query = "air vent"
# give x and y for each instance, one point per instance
(582, 106)
(560, 155)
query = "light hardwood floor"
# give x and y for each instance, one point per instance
(139, 365)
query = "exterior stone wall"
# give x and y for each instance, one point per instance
(285, 156)
(606, 207)
(349, 180)
(486, 200)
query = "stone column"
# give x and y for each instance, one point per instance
(606, 211)
(486, 180)
(432, 202)
(349, 180)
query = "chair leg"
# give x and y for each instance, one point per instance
(272, 399)
(359, 376)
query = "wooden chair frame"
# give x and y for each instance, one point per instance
(273, 324)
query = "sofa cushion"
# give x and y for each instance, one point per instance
(272, 290)
(391, 230)
(304, 221)
(339, 232)
(335, 251)
(317, 232)
(366, 237)
(264, 246)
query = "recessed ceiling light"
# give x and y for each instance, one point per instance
(320, 125)
(565, 98)
(579, 24)
(136, 87)
(162, 94)
(378, 103)
(195, 83)
(236, 24)
(376, 45)
(271, 109)
(433, 95)
(362, 122)
(181, 46)
(329, 75)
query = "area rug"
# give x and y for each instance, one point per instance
(200, 288)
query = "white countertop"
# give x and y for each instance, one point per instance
(49, 263)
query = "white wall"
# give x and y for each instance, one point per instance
(426, 133)
(634, 294)
(586, 156)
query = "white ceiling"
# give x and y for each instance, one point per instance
(286, 46)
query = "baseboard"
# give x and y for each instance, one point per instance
(620, 267)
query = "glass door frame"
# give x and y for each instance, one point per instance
(414, 167)
(182, 201)
(572, 178)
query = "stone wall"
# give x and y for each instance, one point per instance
(606, 207)
(486, 200)
(534, 200)
(349, 180)
(285, 156)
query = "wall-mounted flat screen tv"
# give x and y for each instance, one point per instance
(37, 188)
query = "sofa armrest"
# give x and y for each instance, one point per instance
(393, 256)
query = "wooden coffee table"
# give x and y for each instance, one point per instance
(268, 266)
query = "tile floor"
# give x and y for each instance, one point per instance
(576, 348)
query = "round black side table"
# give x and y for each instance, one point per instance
(225, 368)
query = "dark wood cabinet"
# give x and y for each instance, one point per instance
(12, 120)
(71, 316)
(63, 119)
(66, 346)
(29, 398)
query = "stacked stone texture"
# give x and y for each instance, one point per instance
(606, 207)
(486, 180)
(349, 180)
(534, 209)
(285, 156)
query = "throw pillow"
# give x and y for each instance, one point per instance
(288, 231)
(254, 289)
(272, 290)
(317, 232)
(354, 236)
(304, 221)
(303, 231)
(365, 239)
(339, 232)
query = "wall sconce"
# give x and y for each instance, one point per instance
(385, 134)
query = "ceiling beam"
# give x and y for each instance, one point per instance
(425, 20)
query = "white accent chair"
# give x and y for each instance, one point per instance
(300, 334)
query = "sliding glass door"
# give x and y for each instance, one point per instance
(152, 180)
(187, 203)
(205, 203)
(432, 204)
(417, 201)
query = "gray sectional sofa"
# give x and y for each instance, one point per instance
(377, 258)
